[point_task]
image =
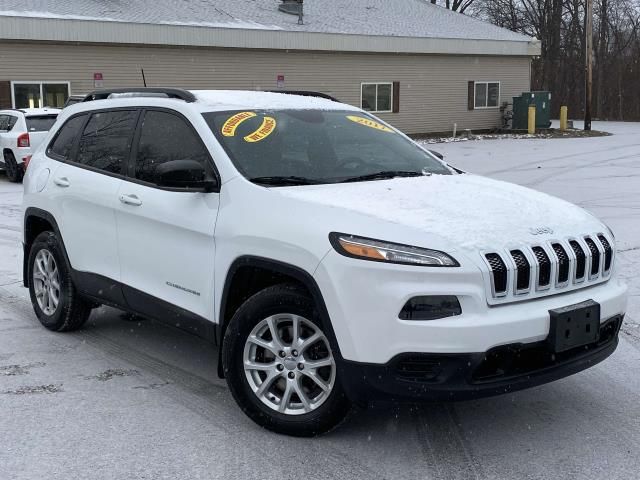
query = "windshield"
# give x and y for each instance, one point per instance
(314, 146)
(40, 123)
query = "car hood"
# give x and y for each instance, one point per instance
(466, 211)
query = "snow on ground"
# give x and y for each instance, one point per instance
(468, 136)
(135, 399)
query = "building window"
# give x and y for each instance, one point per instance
(39, 94)
(377, 97)
(487, 95)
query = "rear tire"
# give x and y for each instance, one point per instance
(13, 170)
(287, 383)
(55, 300)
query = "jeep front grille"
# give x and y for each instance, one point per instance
(545, 269)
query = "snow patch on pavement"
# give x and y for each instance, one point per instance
(30, 390)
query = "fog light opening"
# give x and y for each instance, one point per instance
(432, 307)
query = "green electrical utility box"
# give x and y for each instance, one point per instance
(542, 102)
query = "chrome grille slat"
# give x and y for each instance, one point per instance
(499, 272)
(608, 252)
(562, 276)
(540, 269)
(523, 271)
(581, 261)
(594, 264)
(544, 268)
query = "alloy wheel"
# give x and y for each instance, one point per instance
(289, 365)
(46, 282)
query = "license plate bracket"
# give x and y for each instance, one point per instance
(574, 326)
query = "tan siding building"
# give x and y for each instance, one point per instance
(424, 83)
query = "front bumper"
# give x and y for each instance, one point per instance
(464, 376)
(364, 299)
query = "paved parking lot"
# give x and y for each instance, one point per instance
(135, 399)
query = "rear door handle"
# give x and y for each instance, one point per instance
(61, 182)
(131, 200)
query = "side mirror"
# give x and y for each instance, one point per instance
(436, 154)
(184, 174)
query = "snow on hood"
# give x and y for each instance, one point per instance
(469, 211)
(257, 100)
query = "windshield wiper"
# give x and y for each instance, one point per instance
(282, 181)
(383, 176)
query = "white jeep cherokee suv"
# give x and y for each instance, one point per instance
(21, 132)
(332, 259)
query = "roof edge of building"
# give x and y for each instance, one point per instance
(91, 31)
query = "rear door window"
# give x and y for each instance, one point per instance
(40, 123)
(11, 122)
(105, 143)
(166, 137)
(3, 122)
(63, 142)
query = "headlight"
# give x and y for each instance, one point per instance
(379, 251)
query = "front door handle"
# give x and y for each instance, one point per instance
(131, 200)
(61, 182)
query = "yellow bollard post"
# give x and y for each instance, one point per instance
(532, 119)
(564, 115)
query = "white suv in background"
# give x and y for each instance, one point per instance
(21, 132)
(332, 259)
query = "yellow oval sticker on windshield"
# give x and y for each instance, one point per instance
(369, 123)
(266, 129)
(230, 126)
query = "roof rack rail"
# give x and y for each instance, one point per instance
(177, 93)
(306, 93)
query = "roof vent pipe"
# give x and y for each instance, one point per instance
(293, 7)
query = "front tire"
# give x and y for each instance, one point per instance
(53, 295)
(279, 364)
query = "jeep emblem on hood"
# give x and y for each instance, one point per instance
(541, 231)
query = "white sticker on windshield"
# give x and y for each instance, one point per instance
(369, 123)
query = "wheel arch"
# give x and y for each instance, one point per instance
(269, 272)
(37, 221)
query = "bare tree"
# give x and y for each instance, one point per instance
(456, 5)
(559, 25)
